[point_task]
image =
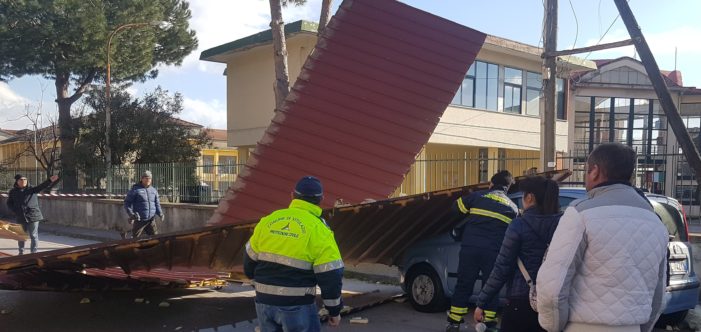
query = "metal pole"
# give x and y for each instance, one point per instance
(665, 98)
(108, 120)
(108, 101)
(547, 120)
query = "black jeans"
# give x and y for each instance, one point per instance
(144, 226)
(472, 262)
(518, 316)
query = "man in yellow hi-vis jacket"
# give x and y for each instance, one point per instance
(291, 252)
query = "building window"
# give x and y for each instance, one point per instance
(227, 165)
(534, 85)
(686, 185)
(465, 95)
(208, 164)
(638, 123)
(486, 85)
(513, 81)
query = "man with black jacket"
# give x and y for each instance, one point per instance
(486, 215)
(23, 202)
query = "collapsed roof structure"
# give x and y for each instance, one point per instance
(367, 100)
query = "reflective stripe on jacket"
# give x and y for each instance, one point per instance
(487, 215)
(291, 251)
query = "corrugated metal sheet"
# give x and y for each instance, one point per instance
(365, 103)
(172, 260)
(377, 232)
(381, 232)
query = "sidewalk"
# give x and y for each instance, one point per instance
(46, 242)
(53, 236)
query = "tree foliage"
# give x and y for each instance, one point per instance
(65, 41)
(144, 130)
(51, 37)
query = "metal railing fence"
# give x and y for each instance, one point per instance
(176, 182)
(664, 173)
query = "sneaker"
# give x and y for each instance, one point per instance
(452, 327)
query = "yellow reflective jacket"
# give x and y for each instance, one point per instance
(291, 251)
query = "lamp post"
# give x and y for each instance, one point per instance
(108, 98)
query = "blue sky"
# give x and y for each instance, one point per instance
(666, 25)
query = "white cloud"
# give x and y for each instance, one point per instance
(662, 43)
(210, 114)
(132, 91)
(218, 22)
(12, 109)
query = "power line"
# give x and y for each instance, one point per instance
(607, 30)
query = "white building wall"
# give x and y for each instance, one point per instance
(467, 126)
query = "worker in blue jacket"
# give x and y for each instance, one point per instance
(142, 205)
(486, 215)
(292, 251)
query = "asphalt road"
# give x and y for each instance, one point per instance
(229, 309)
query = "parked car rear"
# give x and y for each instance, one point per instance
(429, 268)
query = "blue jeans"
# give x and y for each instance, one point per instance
(296, 318)
(31, 228)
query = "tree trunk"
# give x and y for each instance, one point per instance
(282, 76)
(66, 134)
(325, 16)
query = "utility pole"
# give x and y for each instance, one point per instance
(547, 118)
(665, 98)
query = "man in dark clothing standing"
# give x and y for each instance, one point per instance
(23, 202)
(487, 214)
(142, 205)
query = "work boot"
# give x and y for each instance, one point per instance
(452, 327)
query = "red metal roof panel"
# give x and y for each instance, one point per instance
(364, 104)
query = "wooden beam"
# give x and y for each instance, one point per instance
(589, 48)
(653, 72)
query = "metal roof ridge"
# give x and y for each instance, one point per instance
(259, 38)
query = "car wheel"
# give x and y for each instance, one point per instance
(425, 289)
(672, 319)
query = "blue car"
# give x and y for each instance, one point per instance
(429, 268)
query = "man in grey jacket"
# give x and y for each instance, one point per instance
(606, 265)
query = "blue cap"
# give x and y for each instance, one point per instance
(309, 186)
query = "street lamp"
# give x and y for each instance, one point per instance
(108, 116)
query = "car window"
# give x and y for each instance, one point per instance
(564, 201)
(673, 220)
